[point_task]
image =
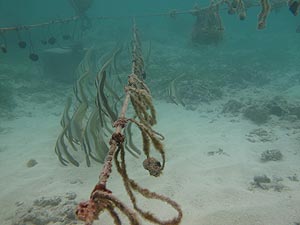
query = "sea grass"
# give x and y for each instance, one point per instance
(76, 127)
(104, 100)
(97, 135)
(62, 149)
(262, 16)
(65, 120)
(92, 142)
(172, 92)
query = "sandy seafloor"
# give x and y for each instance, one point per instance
(212, 190)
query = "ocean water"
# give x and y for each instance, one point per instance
(226, 104)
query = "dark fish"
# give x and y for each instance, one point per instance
(22, 44)
(294, 7)
(298, 29)
(66, 37)
(144, 75)
(3, 48)
(33, 57)
(52, 40)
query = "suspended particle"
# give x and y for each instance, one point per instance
(33, 57)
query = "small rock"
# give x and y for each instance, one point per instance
(71, 195)
(261, 179)
(293, 178)
(31, 163)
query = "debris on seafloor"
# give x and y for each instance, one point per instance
(47, 210)
(256, 114)
(271, 155)
(233, 107)
(220, 151)
(261, 135)
(263, 182)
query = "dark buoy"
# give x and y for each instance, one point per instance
(22, 44)
(33, 57)
(66, 37)
(3, 48)
(52, 40)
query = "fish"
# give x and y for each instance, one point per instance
(172, 92)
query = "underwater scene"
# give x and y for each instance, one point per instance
(150, 112)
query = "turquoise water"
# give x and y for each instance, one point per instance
(227, 104)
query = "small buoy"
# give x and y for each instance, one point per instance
(33, 57)
(52, 40)
(22, 44)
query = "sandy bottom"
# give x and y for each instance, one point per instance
(211, 189)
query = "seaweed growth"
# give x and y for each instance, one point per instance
(236, 7)
(262, 16)
(102, 198)
(85, 132)
(208, 27)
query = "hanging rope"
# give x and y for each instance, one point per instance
(102, 198)
(238, 4)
